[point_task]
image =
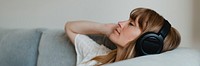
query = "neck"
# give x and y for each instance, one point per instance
(119, 53)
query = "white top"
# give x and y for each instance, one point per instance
(86, 49)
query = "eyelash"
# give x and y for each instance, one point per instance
(131, 24)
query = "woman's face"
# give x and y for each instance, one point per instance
(125, 32)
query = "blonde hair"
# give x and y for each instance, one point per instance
(149, 20)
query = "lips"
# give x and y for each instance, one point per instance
(117, 31)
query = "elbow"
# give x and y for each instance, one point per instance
(67, 26)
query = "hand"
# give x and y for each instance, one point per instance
(109, 28)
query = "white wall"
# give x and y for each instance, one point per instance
(196, 24)
(54, 13)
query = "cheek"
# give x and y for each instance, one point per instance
(125, 37)
(132, 34)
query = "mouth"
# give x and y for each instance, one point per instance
(117, 31)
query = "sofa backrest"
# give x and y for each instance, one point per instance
(55, 49)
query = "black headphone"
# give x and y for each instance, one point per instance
(151, 42)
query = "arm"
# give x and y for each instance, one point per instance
(87, 27)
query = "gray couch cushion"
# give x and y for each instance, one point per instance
(18, 47)
(56, 49)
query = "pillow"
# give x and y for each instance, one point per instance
(18, 47)
(178, 57)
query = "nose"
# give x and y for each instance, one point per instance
(121, 24)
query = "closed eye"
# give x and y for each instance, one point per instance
(131, 24)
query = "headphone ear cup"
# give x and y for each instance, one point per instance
(149, 43)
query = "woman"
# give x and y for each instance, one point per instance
(125, 35)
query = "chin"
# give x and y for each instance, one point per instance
(113, 38)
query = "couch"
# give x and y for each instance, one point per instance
(51, 47)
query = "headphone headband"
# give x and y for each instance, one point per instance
(165, 29)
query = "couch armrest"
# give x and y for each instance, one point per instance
(177, 57)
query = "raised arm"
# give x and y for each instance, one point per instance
(87, 27)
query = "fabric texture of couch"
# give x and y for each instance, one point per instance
(51, 47)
